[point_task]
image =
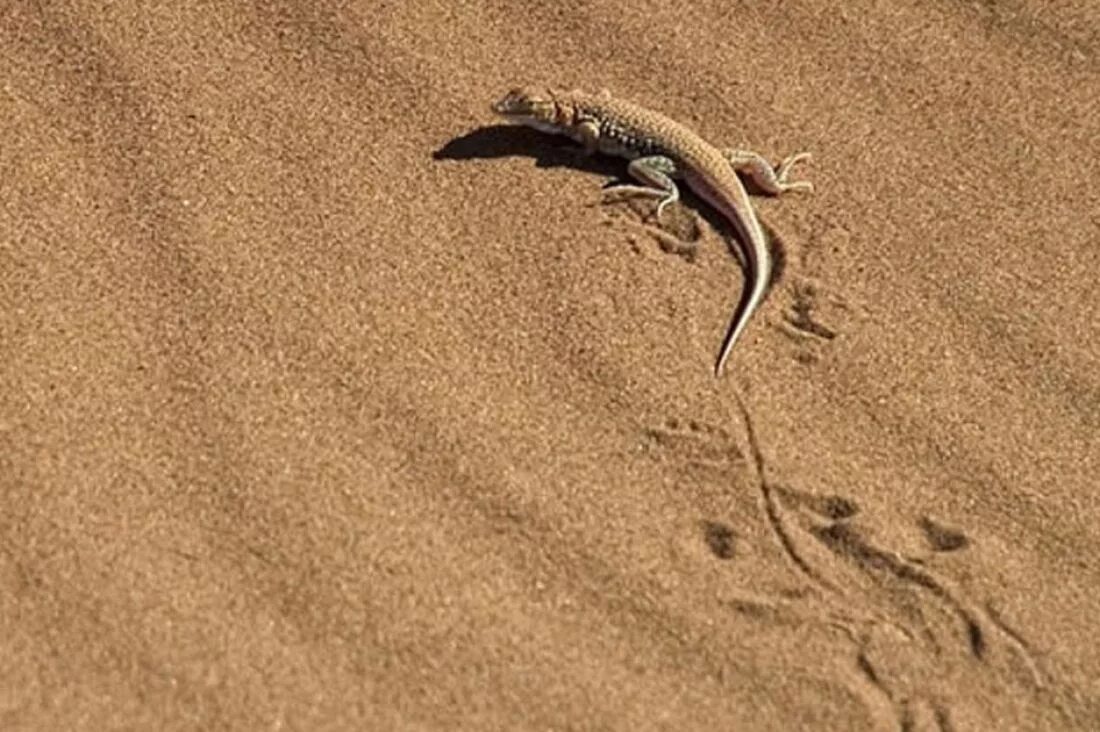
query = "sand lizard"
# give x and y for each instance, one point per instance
(661, 149)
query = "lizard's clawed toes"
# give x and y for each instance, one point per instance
(782, 174)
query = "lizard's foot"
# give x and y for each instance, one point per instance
(771, 180)
(782, 174)
(627, 190)
(623, 191)
(657, 171)
(664, 202)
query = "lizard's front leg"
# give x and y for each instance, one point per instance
(770, 180)
(657, 172)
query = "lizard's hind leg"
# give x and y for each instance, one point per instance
(771, 180)
(657, 172)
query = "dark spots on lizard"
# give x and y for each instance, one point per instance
(628, 139)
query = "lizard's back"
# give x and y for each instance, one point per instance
(643, 131)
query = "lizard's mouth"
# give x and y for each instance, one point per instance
(513, 104)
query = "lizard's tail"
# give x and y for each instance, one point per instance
(725, 193)
(752, 294)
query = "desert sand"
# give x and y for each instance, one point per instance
(330, 402)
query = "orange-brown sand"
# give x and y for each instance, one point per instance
(328, 402)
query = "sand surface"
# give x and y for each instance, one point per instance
(328, 402)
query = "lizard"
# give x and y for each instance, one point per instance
(660, 150)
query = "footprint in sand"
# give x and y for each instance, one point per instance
(719, 539)
(814, 317)
(677, 232)
(941, 538)
(695, 443)
(913, 627)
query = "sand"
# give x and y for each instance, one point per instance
(331, 403)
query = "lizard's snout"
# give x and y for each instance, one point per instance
(525, 103)
(511, 103)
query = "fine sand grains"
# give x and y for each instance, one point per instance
(329, 403)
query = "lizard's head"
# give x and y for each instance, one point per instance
(530, 106)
